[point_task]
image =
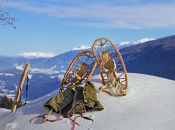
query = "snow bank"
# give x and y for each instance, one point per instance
(149, 104)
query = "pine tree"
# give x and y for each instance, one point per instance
(6, 102)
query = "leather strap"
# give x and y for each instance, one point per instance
(45, 117)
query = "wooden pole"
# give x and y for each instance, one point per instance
(18, 93)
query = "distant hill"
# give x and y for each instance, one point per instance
(155, 57)
(44, 74)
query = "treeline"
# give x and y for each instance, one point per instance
(7, 103)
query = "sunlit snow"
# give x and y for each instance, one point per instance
(82, 47)
(124, 44)
(148, 105)
(36, 54)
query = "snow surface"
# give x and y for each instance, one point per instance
(36, 54)
(148, 105)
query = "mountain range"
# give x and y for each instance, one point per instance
(152, 57)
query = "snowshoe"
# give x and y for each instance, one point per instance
(111, 66)
(80, 69)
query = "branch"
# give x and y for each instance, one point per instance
(5, 19)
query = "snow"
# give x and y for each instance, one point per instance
(44, 71)
(82, 47)
(6, 74)
(36, 54)
(19, 67)
(125, 44)
(148, 105)
(29, 76)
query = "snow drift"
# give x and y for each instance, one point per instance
(149, 104)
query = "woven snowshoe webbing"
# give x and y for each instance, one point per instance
(113, 82)
(106, 60)
(109, 67)
(81, 72)
(104, 89)
(82, 69)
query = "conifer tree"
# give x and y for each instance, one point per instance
(5, 102)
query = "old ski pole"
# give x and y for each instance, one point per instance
(18, 93)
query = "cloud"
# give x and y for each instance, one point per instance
(107, 14)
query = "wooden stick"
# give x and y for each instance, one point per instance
(23, 76)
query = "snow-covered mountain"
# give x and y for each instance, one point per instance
(155, 57)
(45, 74)
(127, 44)
(148, 105)
(31, 55)
(82, 47)
(36, 55)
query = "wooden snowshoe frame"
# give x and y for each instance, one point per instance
(111, 67)
(80, 69)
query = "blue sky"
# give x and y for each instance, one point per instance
(57, 26)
